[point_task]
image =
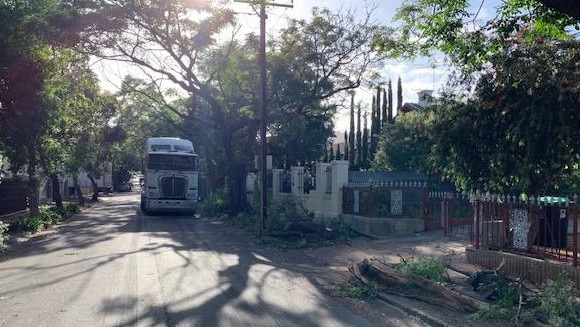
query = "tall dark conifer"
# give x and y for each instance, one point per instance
(352, 154)
(384, 117)
(346, 146)
(365, 145)
(373, 130)
(390, 101)
(359, 150)
(399, 95)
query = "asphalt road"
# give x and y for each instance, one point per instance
(113, 266)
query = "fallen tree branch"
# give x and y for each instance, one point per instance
(390, 280)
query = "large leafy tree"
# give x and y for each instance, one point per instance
(507, 120)
(30, 30)
(314, 64)
(406, 144)
(69, 86)
(175, 41)
(518, 130)
(455, 28)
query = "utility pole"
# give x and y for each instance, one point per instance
(263, 107)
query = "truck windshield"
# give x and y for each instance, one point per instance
(171, 162)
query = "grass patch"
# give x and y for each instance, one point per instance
(357, 291)
(425, 267)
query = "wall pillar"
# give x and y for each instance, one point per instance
(297, 175)
(276, 182)
(339, 180)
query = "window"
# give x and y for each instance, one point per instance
(172, 162)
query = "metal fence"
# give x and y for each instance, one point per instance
(542, 227)
(452, 212)
(13, 196)
(394, 199)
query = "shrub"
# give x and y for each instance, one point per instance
(363, 291)
(50, 216)
(3, 235)
(30, 224)
(558, 302)
(216, 205)
(72, 208)
(284, 210)
(425, 267)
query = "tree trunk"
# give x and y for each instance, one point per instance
(95, 187)
(387, 279)
(78, 191)
(56, 195)
(237, 188)
(33, 201)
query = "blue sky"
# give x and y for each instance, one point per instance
(415, 75)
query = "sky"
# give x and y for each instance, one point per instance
(415, 75)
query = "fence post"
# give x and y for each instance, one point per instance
(445, 213)
(476, 218)
(425, 207)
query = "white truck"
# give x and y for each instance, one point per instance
(171, 176)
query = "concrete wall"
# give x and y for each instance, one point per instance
(380, 227)
(519, 266)
(325, 202)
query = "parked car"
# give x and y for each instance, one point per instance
(124, 187)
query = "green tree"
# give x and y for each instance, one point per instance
(365, 163)
(390, 101)
(431, 26)
(399, 95)
(351, 135)
(329, 54)
(406, 144)
(517, 131)
(30, 30)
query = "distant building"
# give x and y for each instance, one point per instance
(425, 99)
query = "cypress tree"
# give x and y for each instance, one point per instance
(358, 140)
(331, 155)
(351, 157)
(384, 117)
(390, 100)
(365, 145)
(399, 95)
(373, 130)
(346, 146)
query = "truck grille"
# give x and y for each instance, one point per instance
(173, 187)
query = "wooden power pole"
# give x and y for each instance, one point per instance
(263, 106)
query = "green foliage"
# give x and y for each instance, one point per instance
(284, 210)
(30, 224)
(431, 26)
(72, 208)
(556, 303)
(425, 267)
(504, 309)
(48, 216)
(4, 236)
(517, 131)
(406, 144)
(559, 301)
(357, 291)
(215, 206)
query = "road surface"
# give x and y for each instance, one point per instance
(113, 266)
